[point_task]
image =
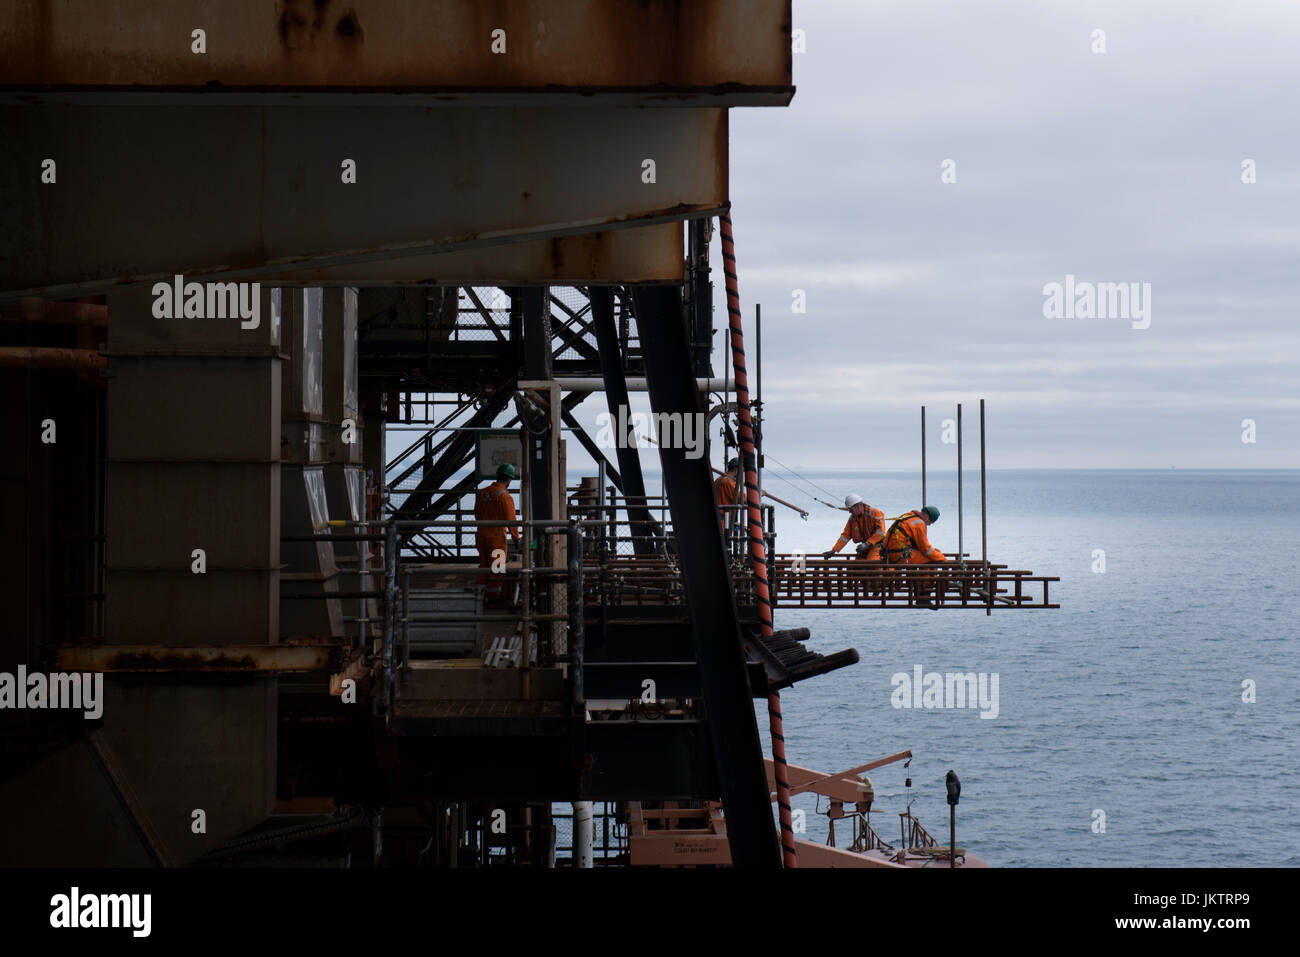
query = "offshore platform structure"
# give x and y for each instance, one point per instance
(244, 245)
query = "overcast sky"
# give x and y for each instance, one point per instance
(1118, 167)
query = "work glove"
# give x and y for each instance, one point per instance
(829, 553)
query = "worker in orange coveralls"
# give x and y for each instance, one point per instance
(906, 542)
(495, 503)
(866, 526)
(725, 493)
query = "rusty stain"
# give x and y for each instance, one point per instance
(139, 662)
(290, 20)
(235, 659)
(639, 45)
(349, 27)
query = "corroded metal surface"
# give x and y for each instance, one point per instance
(156, 658)
(244, 191)
(720, 52)
(634, 254)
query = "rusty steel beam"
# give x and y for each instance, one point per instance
(32, 357)
(227, 658)
(638, 254)
(586, 52)
(242, 192)
(60, 313)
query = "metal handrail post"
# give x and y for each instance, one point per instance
(577, 634)
(406, 625)
(390, 610)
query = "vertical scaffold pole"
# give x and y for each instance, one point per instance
(984, 522)
(959, 508)
(924, 501)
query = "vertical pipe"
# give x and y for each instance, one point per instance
(758, 397)
(600, 505)
(582, 834)
(525, 559)
(390, 609)
(613, 524)
(603, 545)
(97, 549)
(959, 510)
(757, 546)
(406, 623)
(363, 616)
(577, 636)
(726, 364)
(984, 523)
(952, 835)
(923, 499)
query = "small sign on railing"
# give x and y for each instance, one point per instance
(498, 447)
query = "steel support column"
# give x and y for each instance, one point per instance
(593, 449)
(629, 461)
(712, 603)
(537, 366)
(701, 293)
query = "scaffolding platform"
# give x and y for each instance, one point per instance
(817, 582)
(799, 581)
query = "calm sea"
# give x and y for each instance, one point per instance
(1124, 707)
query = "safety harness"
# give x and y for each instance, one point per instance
(905, 552)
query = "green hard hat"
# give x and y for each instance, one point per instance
(931, 511)
(506, 472)
(733, 463)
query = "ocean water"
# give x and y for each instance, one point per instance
(1127, 701)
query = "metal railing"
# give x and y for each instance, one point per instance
(390, 584)
(914, 835)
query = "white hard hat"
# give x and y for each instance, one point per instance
(850, 500)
